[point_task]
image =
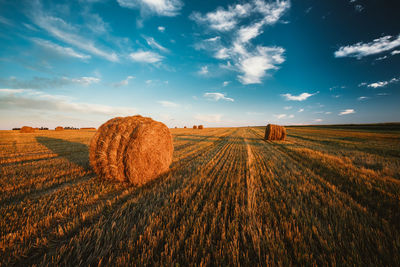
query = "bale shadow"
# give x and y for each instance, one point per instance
(74, 152)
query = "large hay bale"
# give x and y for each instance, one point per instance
(131, 149)
(200, 127)
(27, 129)
(194, 126)
(59, 128)
(184, 127)
(275, 132)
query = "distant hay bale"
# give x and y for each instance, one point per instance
(59, 128)
(132, 149)
(184, 127)
(200, 127)
(275, 132)
(27, 129)
(87, 128)
(194, 126)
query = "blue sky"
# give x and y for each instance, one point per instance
(217, 63)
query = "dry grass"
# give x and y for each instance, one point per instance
(322, 197)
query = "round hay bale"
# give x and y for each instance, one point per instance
(200, 127)
(132, 149)
(194, 126)
(275, 132)
(184, 127)
(27, 129)
(59, 128)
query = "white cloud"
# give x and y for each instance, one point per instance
(64, 51)
(328, 112)
(221, 19)
(146, 57)
(347, 111)
(161, 28)
(203, 70)
(151, 42)
(68, 33)
(209, 117)
(301, 110)
(28, 99)
(361, 98)
(254, 66)
(300, 97)
(85, 80)
(377, 46)
(168, 8)
(291, 116)
(280, 116)
(252, 62)
(380, 84)
(358, 8)
(225, 83)
(168, 104)
(395, 52)
(218, 96)
(318, 120)
(287, 107)
(124, 82)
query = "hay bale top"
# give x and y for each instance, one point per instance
(131, 149)
(184, 127)
(194, 126)
(200, 127)
(27, 129)
(59, 128)
(275, 132)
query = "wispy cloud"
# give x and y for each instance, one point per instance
(380, 83)
(44, 83)
(209, 117)
(152, 43)
(203, 70)
(301, 110)
(168, 104)
(61, 50)
(318, 120)
(225, 83)
(218, 96)
(124, 82)
(280, 116)
(300, 97)
(68, 33)
(161, 28)
(146, 57)
(252, 62)
(377, 46)
(347, 111)
(361, 98)
(86, 80)
(287, 107)
(6, 21)
(168, 8)
(28, 99)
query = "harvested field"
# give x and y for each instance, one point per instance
(325, 196)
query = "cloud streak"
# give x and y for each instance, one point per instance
(377, 46)
(218, 96)
(28, 99)
(347, 111)
(146, 56)
(167, 8)
(300, 97)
